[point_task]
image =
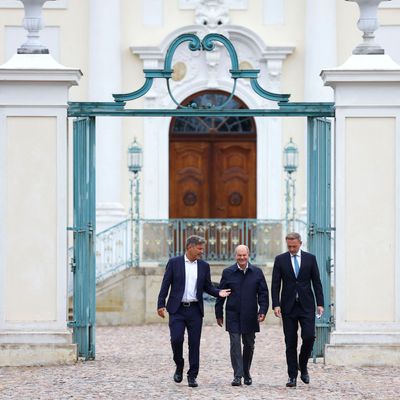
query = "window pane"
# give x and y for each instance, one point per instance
(219, 125)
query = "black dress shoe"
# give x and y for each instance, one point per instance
(236, 381)
(178, 376)
(291, 382)
(192, 382)
(305, 378)
(247, 380)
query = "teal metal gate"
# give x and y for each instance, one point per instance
(319, 217)
(84, 259)
(83, 263)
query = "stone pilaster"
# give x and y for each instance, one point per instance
(33, 211)
(367, 170)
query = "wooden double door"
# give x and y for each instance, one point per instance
(212, 178)
(212, 162)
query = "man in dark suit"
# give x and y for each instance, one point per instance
(246, 307)
(186, 278)
(294, 272)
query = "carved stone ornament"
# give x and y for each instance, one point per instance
(368, 24)
(189, 199)
(235, 199)
(179, 71)
(33, 23)
(212, 13)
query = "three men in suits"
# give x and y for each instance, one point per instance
(293, 300)
(186, 278)
(246, 307)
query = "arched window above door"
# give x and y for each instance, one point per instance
(213, 125)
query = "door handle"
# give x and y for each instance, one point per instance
(220, 208)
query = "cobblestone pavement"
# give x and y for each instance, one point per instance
(135, 363)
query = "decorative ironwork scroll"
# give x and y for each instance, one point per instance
(206, 44)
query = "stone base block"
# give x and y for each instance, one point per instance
(16, 355)
(363, 355)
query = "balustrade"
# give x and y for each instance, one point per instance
(162, 239)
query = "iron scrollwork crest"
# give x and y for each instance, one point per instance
(206, 44)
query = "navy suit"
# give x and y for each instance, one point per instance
(297, 302)
(248, 299)
(180, 316)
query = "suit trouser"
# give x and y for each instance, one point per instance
(241, 364)
(290, 326)
(191, 319)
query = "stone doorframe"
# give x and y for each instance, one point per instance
(199, 72)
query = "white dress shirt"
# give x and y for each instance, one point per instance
(190, 281)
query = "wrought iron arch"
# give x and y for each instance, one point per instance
(285, 108)
(207, 44)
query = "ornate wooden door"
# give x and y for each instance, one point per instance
(233, 180)
(212, 167)
(189, 180)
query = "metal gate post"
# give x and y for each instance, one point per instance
(319, 217)
(84, 262)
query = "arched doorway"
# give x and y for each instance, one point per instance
(212, 162)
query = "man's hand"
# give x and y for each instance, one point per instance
(220, 321)
(161, 312)
(224, 292)
(261, 317)
(320, 310)
(277, 312)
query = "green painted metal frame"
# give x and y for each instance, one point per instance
(91, 109)
(84, 174)
(84, 261)
(319, 217)
(117, 108)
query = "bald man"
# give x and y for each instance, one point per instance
(246, 307)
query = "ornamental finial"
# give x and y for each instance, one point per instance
(33, 23)
(368, 24)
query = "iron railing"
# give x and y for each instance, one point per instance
(113, 252)
(162, 239)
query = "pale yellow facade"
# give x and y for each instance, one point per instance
(31, 267)
(370, 165)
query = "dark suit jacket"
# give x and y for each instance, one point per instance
(248, 298)
(283, 277)
(175, 277)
